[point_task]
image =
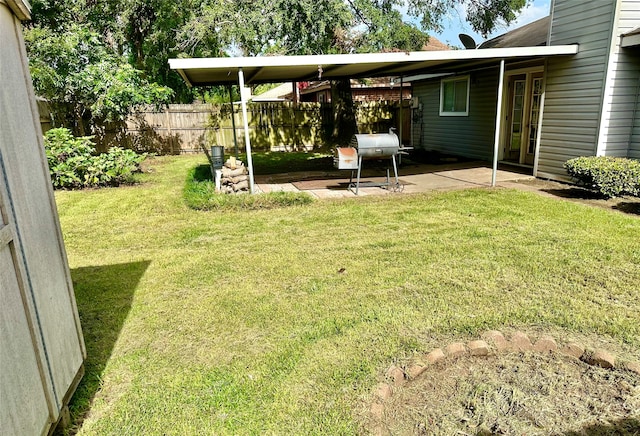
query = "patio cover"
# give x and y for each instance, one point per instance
(272, 69)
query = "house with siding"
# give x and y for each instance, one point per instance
(550, 109)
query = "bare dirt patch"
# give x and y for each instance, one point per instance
(515, 394)
(628, 205)
(547, 388)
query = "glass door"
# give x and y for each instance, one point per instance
(517, 88)
(534, 118)
(523, 116)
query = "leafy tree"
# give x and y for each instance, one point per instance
(142, 32)
(149, 32)
(73, 68)
(262, 27)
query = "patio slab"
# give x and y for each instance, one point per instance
(413, 178)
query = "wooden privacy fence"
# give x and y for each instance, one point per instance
(285, 126)
(273, 126)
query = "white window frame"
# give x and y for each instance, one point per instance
(445, 113)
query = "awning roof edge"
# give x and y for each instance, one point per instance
(631, 39)
(210, 71)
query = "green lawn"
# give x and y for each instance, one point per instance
(239, 322)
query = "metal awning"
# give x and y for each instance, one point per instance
(273, 69)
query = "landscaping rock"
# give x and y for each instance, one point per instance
(384, 391)
(601, 358)
(493, 335)
(521, 342)
(573, 349)
(435, 356)
(633, 367)
(380, 431)
(457, 349)
(478, 348)
(377, 410)
(415, 371)
(396, 375)
(497, 338)
(545, 344)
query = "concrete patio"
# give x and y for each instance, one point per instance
(414, 178)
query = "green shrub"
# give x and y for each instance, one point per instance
(611, 176)
(200, 194)
(73, 163)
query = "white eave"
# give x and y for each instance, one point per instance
(265, 69)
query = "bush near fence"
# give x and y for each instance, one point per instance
(273, 126)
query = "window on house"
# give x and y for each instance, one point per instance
(454, 96)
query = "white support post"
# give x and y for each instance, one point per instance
(247, 140)
(401, 121)
(496, 146)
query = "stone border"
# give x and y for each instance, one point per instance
(491, 342)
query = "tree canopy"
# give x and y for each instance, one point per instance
(257, 27)
(107, 56)
(73, 68)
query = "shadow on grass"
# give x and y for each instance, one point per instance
(629, 207)
(275, 163)
(202, 173)
(103, 295)
(623, 427)
(576, 193)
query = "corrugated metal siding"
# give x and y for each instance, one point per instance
(470, 136)
(617, 127)
(575, 85)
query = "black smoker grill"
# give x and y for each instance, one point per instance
(371, 146)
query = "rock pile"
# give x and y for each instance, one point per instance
(234, 177)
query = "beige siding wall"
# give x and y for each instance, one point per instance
(575, 85)
(622, 86)
(470, 136)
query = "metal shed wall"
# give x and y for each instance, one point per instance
(575, 86)
(42, 350)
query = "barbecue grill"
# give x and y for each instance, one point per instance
(370, 146)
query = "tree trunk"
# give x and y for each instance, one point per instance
(79, 122)
(344, 115)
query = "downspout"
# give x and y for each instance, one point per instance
(496, 144)
(247, 140)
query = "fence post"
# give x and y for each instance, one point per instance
(167, 117)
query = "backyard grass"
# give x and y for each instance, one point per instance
(200, 194)
(282, 321)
